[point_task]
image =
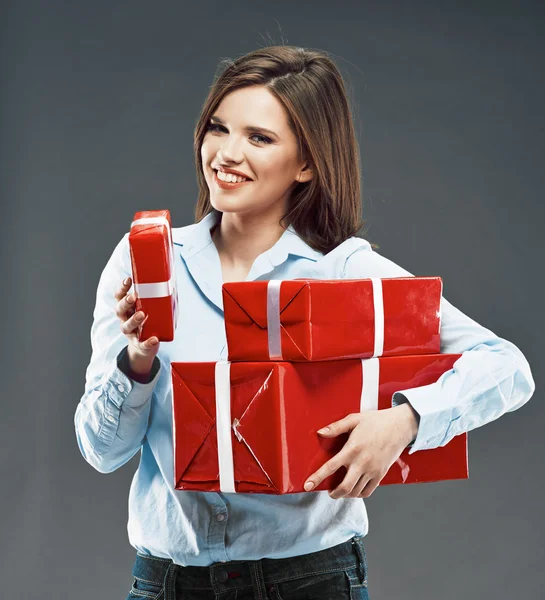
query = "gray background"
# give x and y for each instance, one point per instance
(98, 105)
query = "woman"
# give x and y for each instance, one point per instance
(279, 120)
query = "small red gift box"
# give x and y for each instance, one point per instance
(305, 320)
(150, 242)
(252, 427)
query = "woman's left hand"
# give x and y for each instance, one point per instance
(377, 439)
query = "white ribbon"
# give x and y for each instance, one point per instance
(155, 290)
(378, 302)
(273, 319)
(162, 288)
(370, 375)
(223, 426)
(370, 372)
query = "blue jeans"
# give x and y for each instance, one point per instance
(337, 573)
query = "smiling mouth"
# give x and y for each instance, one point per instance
(226, 185)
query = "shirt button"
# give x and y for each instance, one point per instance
(120, 388)
(222, 576)
(110, 418)
(220, 517)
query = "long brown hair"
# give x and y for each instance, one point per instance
(326, 210)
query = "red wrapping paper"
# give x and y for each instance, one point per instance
(333, 319)
(151, 253)
(276, 409)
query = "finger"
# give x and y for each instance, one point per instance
(353, 475)
(325, 471)
(149, 342)
(137, 325)
(125, 307)
(342, 426)
(369, 488)
(125, 286)
(133, 323)
(362, 482)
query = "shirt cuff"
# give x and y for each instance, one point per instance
(397, 399)
(121, 389)
(434, 421)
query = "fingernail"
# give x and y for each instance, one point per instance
(323, 430)
(139, 316)
(309, 485)
(126, 281)
(130, 299)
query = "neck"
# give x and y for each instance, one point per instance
(241, 240)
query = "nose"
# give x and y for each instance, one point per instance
(230, 151)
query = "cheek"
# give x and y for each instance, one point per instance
(272, 170)
(208, 151)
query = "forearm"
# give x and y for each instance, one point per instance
(111, 419)
(491, 377)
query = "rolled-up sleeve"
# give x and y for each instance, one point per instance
(112, 416)
(491, 377)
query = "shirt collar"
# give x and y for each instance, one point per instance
(196, 237)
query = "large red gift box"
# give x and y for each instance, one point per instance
(304, 320)
(250, 427)
(150, 242)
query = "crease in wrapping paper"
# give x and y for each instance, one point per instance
(196, 422)
(281, 446)
(223, 427)
(262, 398)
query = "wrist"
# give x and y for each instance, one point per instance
(138, 367)
(137, 360)
(410, 419)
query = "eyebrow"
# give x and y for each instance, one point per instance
(248, 127)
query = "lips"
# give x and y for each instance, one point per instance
(233, 172)
(225, 185)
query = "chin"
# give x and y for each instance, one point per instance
(227, 206)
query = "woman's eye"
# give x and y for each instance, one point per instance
(216, 127)
(265, 139)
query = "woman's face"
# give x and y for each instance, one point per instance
(268, 158)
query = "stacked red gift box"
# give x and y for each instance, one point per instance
(302, 354)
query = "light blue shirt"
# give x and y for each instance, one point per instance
(118, 417)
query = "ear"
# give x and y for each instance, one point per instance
(305, 174)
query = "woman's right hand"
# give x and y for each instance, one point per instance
(141, 352)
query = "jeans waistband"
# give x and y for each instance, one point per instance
(346, 555)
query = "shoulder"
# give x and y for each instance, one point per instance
(333, 263)
(356, 259)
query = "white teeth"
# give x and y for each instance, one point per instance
(229, 177)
